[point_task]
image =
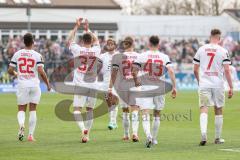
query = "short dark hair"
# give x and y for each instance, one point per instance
(154, 41)
(28, 39)
(215, 32)
(87, 38)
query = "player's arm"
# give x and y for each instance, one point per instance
(94, 36)
(73, 32)
(196, 72)
(229, 79)
(114, 72)
(12, 66)
(227, 71)
(95, 39)
(11, 71)
(196, 62)
(135, 70)
(173, 80)
(99, 66)
(43, 75)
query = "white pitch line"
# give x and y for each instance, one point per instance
(231, 150)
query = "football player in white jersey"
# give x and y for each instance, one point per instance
(29, 64)
(112, 101)
(122, 66)
(153, 64)
(85, 73)
(211, 63)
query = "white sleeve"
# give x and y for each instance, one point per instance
(226, 58)
(75, 49)
(13, 62)
(196, 59)
(100, 58)
(139, 61)
(115, 61)
(40, 61)
(97, 49)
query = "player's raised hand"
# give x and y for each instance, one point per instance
(78, 22)
(86, 25)
(174, 93)
(230, 93)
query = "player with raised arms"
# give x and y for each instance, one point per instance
(112, 101)
(28, 64)
(85, 73)
(152, 64)
(122, 66)
(211, 63)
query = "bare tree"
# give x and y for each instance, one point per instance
(177, 7)
(187, 7)
(236, 4)
(162, 7)
(215, 7)
(154, 7)
(200, 7)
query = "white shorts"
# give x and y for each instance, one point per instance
(126, 99)
(211, 97)
(81, 101)
(154, 103)
(28, 95)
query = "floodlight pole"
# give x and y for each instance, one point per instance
(28, 12)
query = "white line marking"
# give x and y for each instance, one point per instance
(231, 150)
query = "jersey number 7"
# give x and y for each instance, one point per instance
(211, 55)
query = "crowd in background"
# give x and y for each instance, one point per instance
(55, 53)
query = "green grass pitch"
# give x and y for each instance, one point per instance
(178, 139)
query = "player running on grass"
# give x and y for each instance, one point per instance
(211, 63)
(28, 64)
(122, 83)
(152, 64)
(112, 101)
(86, 72)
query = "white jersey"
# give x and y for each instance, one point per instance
(85, 62)
(27, 62)
(106, 59)
(123, 62)
(153, 64)
(211, 58)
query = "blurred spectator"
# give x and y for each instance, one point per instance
(56, 53)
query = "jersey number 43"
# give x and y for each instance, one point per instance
(158, 67)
